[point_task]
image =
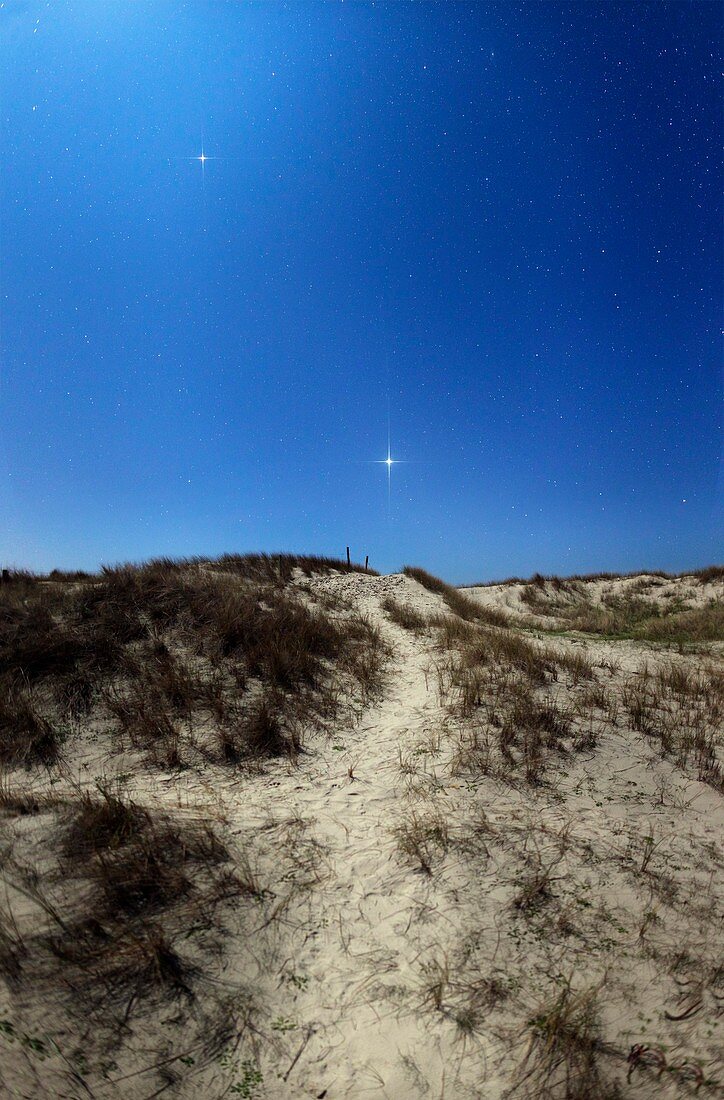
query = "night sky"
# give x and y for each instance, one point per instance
(500, 222)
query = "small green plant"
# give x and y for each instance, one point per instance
(30, 1042)
(283, 1023)
(299, 981)
(251, 1076)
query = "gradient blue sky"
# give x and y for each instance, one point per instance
(501, 220)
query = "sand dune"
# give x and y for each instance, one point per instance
(492, 870)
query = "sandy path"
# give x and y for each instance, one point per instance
(358, 1016)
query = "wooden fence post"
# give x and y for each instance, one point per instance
(348, 561)
(367, 558)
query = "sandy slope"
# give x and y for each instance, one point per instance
(380, 978)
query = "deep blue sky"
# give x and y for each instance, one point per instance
(501, 219)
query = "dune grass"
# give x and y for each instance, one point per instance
(681, 711)
(26, 737)
(405, 615)
(563, 1055)
(224, 663)
(153, 646)
(491, 672)
(625, 615)
(460, 604)
(115, 935)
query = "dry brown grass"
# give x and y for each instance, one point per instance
(270, 568)
(710, 574)
(260, 732)
(26, 736)
(578, 664)
(460, 604)
(562, 1061)
(131, 882)
(502, 582)
(423, 839)
(500, 683)
(682, 711)
(104, 821)
(405, 615)
(166, 646)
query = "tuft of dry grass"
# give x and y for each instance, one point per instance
(578, 664)
(142, 876)
(132, 882)
(506, 652)
(500, 684)
(26, 736)
(272, 568)
(503, 582)
(534, 728)
(460, 604)
(682, 711)
(259, 732)
(19, 803)
(562, 1059)
(102, 822)
(710, 574)
(405, 615)
(423, 839)
(146, 962)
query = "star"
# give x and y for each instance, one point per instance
(202, 159)
(389, 462)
